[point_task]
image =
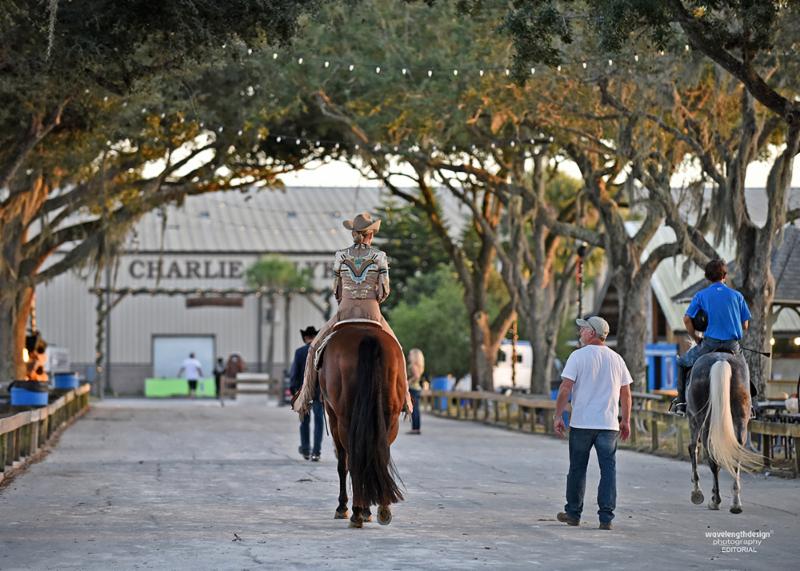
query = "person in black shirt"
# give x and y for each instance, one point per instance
(296, 374)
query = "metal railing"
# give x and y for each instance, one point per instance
(23, 434)
(653, 430)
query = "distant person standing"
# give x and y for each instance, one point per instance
(416, 377)
(600, 385)
(296, 374)
(193, 371)
(219, 370)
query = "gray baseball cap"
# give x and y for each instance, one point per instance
(597, 323)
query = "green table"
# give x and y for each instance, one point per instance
(172, 387)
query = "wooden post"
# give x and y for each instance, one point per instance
(766, 445)
(679, 439)
(548, 423)
(653, 434)
(534, 416)
(521, 418)
(3, 449)
(796, 465)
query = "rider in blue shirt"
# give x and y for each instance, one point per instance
(728, 318)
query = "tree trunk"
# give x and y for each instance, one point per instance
(483, 353)
(757, 285)
(15, 305)
(287, 310)
(271, 345)
(634, 294)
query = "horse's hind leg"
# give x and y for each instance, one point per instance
(694, 452)
(715, 500)
(384, 515)
(736, 508)
(341, 456)
(357, 519)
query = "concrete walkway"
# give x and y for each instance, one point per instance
(190, 485)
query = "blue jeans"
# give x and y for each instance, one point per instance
(305, 425)
(581, 441)
(708, 345)
(415, 413)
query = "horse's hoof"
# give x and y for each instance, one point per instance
(384, 515)
(713, 506)
(697, 497)
(356, 523)
(736, 509)
(341, 515)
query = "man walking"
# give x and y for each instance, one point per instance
(600, 385)
(728, 318)
(191, 366)
(296, 374)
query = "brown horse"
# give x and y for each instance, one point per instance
(364, 390)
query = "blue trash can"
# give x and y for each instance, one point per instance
(441, 384)
(29, 393)
(65, 380)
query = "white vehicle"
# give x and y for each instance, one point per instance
(502, 375)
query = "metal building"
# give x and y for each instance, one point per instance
(205, 244)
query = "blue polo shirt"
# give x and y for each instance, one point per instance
(726, 309)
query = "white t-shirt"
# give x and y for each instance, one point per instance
(599, 373)
(191, 368)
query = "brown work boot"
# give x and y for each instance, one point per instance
(564, 517)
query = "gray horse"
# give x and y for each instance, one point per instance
(718, 406)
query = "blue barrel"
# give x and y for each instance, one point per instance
(441, 384)
(29, 393)
(65, 380)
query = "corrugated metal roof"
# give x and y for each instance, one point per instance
(293, 220)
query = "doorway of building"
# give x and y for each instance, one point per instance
(169, 351)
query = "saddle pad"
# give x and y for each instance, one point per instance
(336, 327)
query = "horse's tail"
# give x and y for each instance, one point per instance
(723, 446)
(369, 461)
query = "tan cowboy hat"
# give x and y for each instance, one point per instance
(362, 223)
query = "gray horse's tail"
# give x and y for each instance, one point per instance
(723, 445)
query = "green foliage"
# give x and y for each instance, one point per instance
(411, 245)
(276, 272)
(434, 319)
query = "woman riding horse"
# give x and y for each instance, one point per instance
(361, 284)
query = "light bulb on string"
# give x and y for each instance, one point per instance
(636, 57)
(274, 55)
(327, 64)
(610, 62)
(405, 71)
(584, 65)
(558, 68)
(430, 73)
(533, 70)
(378, 69)
(352, 67)
(277, 139)
(480, 73)
(508, 71)
(300, 61)
(455, 72)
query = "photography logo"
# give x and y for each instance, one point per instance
(744, 541)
